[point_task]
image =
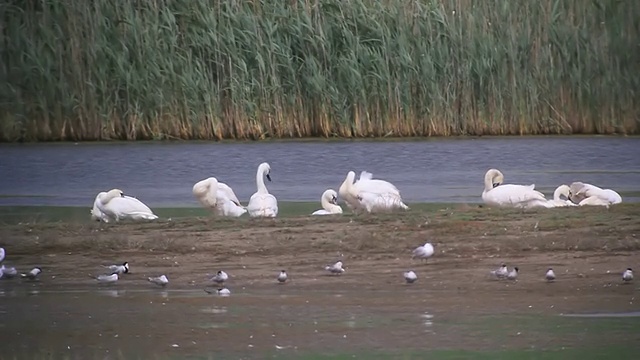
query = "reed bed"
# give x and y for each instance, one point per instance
(248, 69)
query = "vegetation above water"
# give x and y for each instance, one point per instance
(249, 69)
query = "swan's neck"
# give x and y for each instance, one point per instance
(327, 205)
(488, 181)
(262, 188)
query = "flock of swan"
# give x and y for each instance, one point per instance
(365, 194)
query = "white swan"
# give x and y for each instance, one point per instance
(582, 191)
(329, 201)
(218, 197)
(261, 203)
(114, 205)
(518, 196)
(370, 194)
(558, 201)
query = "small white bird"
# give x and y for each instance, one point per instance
(2, 254)
(335, 268)
(221, 291)
(159, 280)
(220, 277)
(501, 272)
(423, 252)
(106, 279)
(33, 274)
(282, 277)
(8, 272)
(550, 275)
(627, 275)
(410, 277)
(513, 274)
(118, 269)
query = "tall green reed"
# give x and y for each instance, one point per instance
(248, 69)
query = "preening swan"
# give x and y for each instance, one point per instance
(218, 197)
(558, 201)
(518, 196)
(373, 195)
(329, 201)
(582, 191)
(263, 204)
(114, 205)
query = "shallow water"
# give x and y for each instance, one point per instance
(40, 320)
(451, 170)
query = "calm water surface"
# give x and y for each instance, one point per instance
(162, 174)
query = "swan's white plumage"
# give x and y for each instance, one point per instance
(261, 203)
(329, 201)
(558, 201)
(372, 195)
(218, 197)
(114, 205)
(595, 195)
(518, 196)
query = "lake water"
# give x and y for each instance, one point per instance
(441, 170)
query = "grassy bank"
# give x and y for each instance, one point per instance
(79, 70)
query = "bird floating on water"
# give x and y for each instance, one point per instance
(335, 268)
(501, 272)
(513, 274)
(106, 279)
(220, 277)
(221, 291)
(550, 275)
(159, 280)
(32, 274)
(118, 269)
(423, 252)
(627, 275)
(8, 272)
(410, 277)
(282, 277)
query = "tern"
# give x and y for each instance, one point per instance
(8, 272)
(627, 275)
(106, 279)
(501, 272)
(335, 268)
(410, 276)
(159, 280)
(33, 274)
(220, 277)
(282, 277)
(119, 269)
(550, 275)
(513, 274)
(423, 252)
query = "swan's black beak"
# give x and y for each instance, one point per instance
(334, 200)
(122, 194)
(268, 177)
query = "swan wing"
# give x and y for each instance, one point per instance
(226, 207)
(365, 175)
(377, 186)
(226, 189)
(321, 212)
(128, 207)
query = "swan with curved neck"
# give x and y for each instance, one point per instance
(218, 197)
(558, 201)
(261, 203)
(329, 201)
(509, 195)
(115, 205)
(579, 192)
(345, 192)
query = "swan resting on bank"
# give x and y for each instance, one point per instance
(114, 205)
(329, 201)
(371, 195)
(587, 194)
(558, 201)
(218, 197)
(261, 203)
(510, 195)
